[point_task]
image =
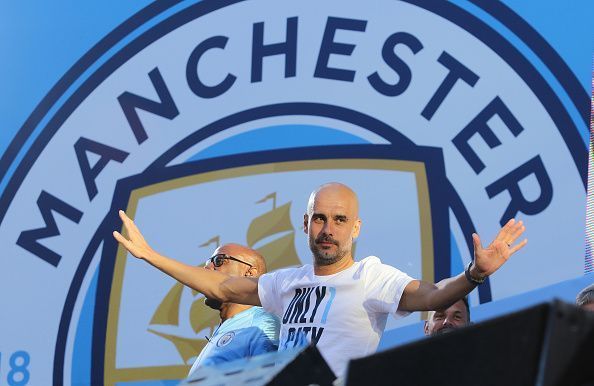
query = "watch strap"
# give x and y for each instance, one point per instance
(469, 277)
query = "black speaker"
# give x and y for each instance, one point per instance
(549, 344)
(298, 367)
(567, 357)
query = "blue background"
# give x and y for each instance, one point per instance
(40, 41)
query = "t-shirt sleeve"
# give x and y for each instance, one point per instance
(384, 288)
(267, 292)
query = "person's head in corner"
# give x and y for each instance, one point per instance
(585, 299)
(235, 260)
(455, 316)
(332, 223)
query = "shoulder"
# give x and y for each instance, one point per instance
(268, 324)
(261, 316)
(370, 261)
(372, 268)
(289, 273)
(373, 263)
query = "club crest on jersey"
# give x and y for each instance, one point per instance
(225, 339)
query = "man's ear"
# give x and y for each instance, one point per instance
(357, 228)
(426, 328)
(305, 223)
(252, 272)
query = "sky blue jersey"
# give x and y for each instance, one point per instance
(249, 333)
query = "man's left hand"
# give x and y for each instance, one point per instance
(488, 260)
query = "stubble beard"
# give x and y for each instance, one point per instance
(325, 257)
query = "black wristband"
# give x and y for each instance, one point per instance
(471, 279)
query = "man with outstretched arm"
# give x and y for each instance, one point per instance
(244, 331)
(337, 303)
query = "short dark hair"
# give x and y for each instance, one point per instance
(466, 304)
(586, 296)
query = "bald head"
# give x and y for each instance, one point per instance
(246, 254)
(332, 223)
(241, 261)
(334, 191)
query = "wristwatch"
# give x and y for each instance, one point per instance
(469, 277)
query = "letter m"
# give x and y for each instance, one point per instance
(29, 239)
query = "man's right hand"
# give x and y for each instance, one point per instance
(136, 244)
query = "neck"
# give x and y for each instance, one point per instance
(340, 265)
(229, 310)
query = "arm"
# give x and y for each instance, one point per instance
(423, 296)
(212, 284)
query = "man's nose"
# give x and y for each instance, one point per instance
(328, 229)
(209, 265)
(447, 322)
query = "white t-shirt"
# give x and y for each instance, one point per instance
(344, 314)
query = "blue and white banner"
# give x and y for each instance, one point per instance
(210, 122)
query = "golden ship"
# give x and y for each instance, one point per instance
(271, 234)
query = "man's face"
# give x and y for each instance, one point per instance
(229, 267)
(454, 317)
(588, 307)
(331, 224)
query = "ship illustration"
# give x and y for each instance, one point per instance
(271, 234)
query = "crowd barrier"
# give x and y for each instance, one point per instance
(549, 344)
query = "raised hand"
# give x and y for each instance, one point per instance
(488, 260)
(136, 244)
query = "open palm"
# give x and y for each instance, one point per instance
(488, 260)
(135, 243)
